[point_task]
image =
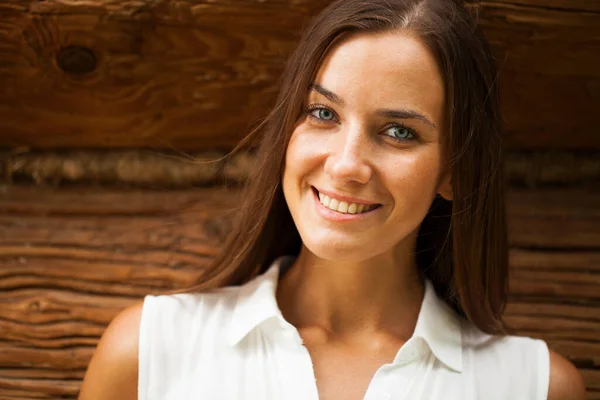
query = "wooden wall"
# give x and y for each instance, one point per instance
(195, 73)
(109, 110)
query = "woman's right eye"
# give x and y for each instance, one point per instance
(320, 114)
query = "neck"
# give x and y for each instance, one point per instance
(346, 300)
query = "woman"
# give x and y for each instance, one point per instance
(369, 259)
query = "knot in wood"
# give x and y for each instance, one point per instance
(76, 60)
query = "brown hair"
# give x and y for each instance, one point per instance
(462, 245)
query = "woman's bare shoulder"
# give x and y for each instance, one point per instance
(113, 370)
(566, 382)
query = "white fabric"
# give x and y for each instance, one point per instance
(233, 343)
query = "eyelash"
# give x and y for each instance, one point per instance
(312, 107)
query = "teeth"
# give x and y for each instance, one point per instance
(342, 206)
(334, 204)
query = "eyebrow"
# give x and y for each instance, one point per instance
(327, 93)
(396, 114)
(405, 114)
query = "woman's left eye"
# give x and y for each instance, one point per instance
(401, 133)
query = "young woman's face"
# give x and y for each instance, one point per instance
(364, 162)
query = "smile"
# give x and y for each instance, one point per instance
(343, 206)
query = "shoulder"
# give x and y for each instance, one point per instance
(527, 362)
(566, 382)
(112, 371)
(183, 310)
(514, 366)
(142, 331)
(516, 357)
(503, 346)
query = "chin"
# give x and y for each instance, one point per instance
(339, 250)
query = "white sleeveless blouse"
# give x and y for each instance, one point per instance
(233, 343)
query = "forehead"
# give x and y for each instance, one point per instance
(384, 70)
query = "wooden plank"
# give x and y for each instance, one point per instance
(162, 74)
(554, 218)
(576, 312)
(541, 260)
(573, 286)
(194, 75)
(591, 378)
(102, 202)
(38, 388)
(555, 327)
(543, 73)
(550, 218)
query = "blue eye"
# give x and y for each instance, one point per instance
(323, 113)
(400, 133)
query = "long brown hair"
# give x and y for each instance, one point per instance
(462, 245)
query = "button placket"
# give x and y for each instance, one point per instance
(298, 380)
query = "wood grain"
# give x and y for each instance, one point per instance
(186, 74)
(69, 263)
(193, 75)
(161, 169)
(544, 73)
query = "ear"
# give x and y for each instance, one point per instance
(445, 186)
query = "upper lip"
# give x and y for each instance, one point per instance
(347, 199)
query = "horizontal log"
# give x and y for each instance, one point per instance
(193, 234)
(525, 34)
(85, 255)
(167, 75)
(131, 277)
(528, 311)
(15, 389)
(591, 377)
(190, 75)
(68, 358)
(115, 202)
(144, 168)
(554, 328)
(582, 261)
(535, 169)
(551, 218)
(573, 286)
(141, 168)
(32, 373)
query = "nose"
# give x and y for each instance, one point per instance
(347, 160)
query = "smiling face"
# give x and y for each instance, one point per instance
(364, 162)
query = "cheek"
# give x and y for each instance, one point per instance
(295, 164)
(304, 154)
(412, 181)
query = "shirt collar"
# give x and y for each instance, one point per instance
(437, 324)
(256, 302)
(440, 327)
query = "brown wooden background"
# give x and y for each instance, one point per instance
(109, 110)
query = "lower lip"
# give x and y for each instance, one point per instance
(331, 215)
